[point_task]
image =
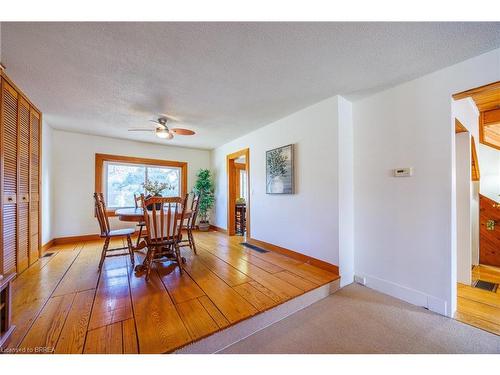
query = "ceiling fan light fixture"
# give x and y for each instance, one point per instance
(163, 133)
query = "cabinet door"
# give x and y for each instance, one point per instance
(34, 208)
(9, 177)
(23, 188)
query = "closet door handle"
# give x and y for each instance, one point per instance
(9, 199)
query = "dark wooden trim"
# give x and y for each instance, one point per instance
(101, 158)
(46, 247)
(70, 239)
(295, 255)
(218, 229)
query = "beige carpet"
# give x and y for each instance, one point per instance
(359, 320)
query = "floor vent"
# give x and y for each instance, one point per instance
(253, 247)
(48, 255)
(485, 285)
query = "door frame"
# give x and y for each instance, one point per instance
(231, 170)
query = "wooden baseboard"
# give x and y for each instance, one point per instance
(71, 239)
(217, 229)
(295, 255)
(47, 246)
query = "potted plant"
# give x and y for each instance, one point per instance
(204, 186)
(154, 189)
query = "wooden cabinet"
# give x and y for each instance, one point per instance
(19, 179)
(5, 309)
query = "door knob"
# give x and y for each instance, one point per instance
(490, 225)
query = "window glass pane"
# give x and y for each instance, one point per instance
(168, 175)
(122, 182)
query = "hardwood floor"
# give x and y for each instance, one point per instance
(62, 304)
(477, 307)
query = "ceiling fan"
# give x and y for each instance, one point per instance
(161, 129)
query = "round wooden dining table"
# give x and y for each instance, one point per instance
(136, 215)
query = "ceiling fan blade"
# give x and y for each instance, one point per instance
(141, 130)
(181, 131)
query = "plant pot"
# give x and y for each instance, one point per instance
(277, 185)
(204, 226)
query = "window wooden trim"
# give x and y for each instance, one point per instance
(101, 158)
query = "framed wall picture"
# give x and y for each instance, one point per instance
(279, 170)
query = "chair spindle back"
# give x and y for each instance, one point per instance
(164, 219)
(100, 212)
(195, 205)
(137, 200)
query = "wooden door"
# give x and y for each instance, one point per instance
(9, 177)
(23, 148)
(34, 207)
(489, 232)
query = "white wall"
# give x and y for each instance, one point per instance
(74, 173)
(47, 184)
(346, 192)
(307, 221)
(463, 219)
(405, 227)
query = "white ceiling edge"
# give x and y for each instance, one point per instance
(350, 97)
(224, 80)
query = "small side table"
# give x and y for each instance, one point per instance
(6, 328)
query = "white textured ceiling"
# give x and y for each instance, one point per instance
(222, 80)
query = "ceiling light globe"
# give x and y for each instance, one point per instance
(164, 133)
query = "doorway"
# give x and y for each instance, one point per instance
(238, 195)
(478, 194)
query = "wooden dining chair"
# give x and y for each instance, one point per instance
(164, 230)
(107, 233)
(137, 202)
(191, 224)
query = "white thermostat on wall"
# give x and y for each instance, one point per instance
(403, 172)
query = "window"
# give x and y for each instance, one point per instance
(120, 177)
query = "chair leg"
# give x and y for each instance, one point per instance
(131, 250)
(103, 254)
(139, 236)
(192, 245)
(178, 255)
(148, 262)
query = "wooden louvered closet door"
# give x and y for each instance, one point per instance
(34, 208)
(20, 126)
(9, 177)
(23, 187)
